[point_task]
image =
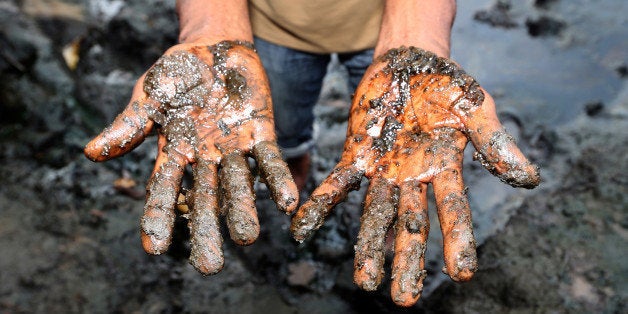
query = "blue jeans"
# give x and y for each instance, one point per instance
(295, 79)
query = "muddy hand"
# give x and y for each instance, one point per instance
(411, 118)
(212, 107)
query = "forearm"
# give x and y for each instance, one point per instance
(212, 21)
(425, 24)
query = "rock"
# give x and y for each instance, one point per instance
(544, 26)
(301, 273)
(498, 15)
(72, 241)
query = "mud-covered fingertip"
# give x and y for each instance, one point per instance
(462, 275)
(206, 269)
(408, 273)
(245, 237)
(95, 150)
(369, 284)
(497, 151)
(461, 260)
(306, 220)
(287, 200)
(405, 299)
(207, 264)
(277, 176)
(463, 267)
(299, 234)
(367, 275)
(300, 231)
(243, 224)
(156, 231)
(288, 203)
(154, 246)
(519, 173)
(404, 302)
(523, 176)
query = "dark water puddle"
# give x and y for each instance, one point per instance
(546, 80)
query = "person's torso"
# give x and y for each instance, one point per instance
(318, 26)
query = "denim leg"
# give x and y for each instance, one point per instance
(295, 79)
(356, 64)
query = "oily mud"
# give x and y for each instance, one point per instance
(515, 173)
(172, 77)
(458, 237)
(238, 199)
(275, 173)
(384, 143)
(205, 239)
(332, 191)
(379, 211)
(411, 231)
(159, 216)
(194, 94)
(71, 243)
(413, 61)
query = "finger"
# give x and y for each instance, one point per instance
(455, 222)
(379, 211)
(411, 231)
(126, 132)
(333, 190)
(206, 255)
(496, 150)
(278, 178)
(162, 191)
(236, 188)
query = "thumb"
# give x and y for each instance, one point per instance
(126, 132)
(497, 150)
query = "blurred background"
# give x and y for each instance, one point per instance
(69, 228)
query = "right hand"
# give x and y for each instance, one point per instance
(212, 106)
(411, 118)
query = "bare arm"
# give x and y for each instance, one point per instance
(212, 21)
(209, 100)
(425, 24)
(411, 118)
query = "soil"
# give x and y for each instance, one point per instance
(70, 237)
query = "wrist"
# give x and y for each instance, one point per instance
(212, 21)
(434, 45)
(425, 24)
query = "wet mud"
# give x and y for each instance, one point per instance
(197, 96)
(332, 191)
(384, 143)
(379, 211)
(498, 15)
(69, 235)
(162, 191)
(238, 199)
(389, 130)
(411, 232)
(275, 172)
(459, 243)
(206, 253)
(406, 62)
(511, 172)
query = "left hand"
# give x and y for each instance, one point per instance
(212, 106)
(410, 120)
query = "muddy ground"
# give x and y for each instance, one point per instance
(69, 240)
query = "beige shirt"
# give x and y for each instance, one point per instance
(318, 26)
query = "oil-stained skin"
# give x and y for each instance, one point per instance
(212, 109)
(411, 118)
